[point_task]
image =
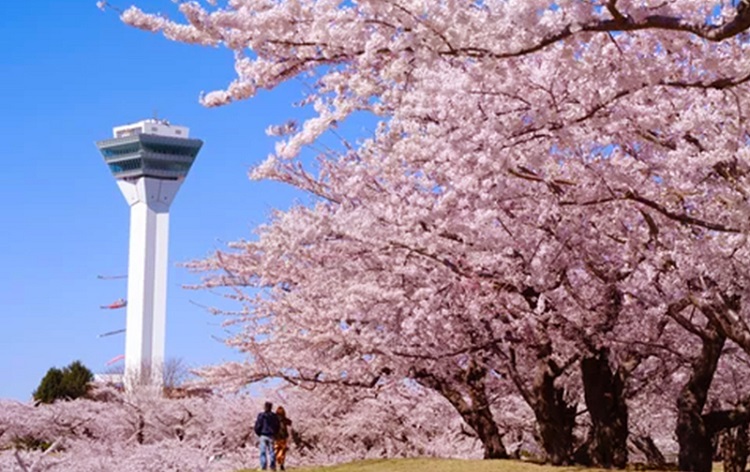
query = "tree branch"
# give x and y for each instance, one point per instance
(621, 23)
(680, 217)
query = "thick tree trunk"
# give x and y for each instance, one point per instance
(480, 417)
(654, 458)
(603, 391)
(696, 449)
(693, 436)
(555, 419)
(477, 414)
(734, 448)
(484, 425)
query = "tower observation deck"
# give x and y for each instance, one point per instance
(149, 160)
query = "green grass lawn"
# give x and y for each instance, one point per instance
(437, 465)
(447, 465)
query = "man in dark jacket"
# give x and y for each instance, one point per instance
(267, 427)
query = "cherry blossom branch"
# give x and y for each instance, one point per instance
(679, 217)
(33, 467)
(621, 23)
(723, 419)
(728, 321)
(458, 352)
(657, 346)
(300, 379)
(683, 218)
(722, 83)
(674, 311)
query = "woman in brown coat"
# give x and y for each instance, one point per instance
(280, 445)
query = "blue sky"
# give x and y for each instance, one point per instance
(68, 73)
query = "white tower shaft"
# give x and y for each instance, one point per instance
(150, 159)
(149, 201)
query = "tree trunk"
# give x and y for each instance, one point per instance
(693, 436)
(734, 448)
(486, 429)
(696, 449)
(654, 458)
(477, 414)
(555, 419)
(603, 392)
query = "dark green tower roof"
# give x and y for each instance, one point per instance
(149, 155)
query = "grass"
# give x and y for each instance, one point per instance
(450, 465)
(438, 465)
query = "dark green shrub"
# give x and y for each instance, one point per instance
(30, 443)
(67, 384)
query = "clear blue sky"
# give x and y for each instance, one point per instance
(68, 73)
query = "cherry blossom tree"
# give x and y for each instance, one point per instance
(139, 432)
(146, 432)
(555, 195)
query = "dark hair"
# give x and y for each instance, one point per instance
(268, 406)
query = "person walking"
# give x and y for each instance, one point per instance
(267, 427)
(280, 445)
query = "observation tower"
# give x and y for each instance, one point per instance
(149, 159)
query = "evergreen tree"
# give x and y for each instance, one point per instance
(76, 379)
(50, 387)
(69, 383)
